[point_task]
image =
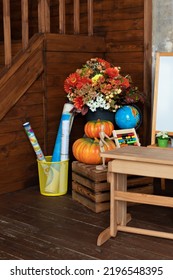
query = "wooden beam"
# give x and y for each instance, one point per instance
(62, 16)
(85, 44)
(7, 32)
(76, 17)
(148, 232)
(144, 198)
(90, 17)
(47, 15)
(44, 16)
(25, 28)
(40, 13)
(147, 68)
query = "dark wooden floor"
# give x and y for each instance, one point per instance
(36, 227)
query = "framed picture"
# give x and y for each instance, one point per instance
(125, 137)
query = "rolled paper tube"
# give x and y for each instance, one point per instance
(33, 141)
(54, 175)
(53, 178)
(65, 137)
(63, 180)
(52, 183)
(57, 148)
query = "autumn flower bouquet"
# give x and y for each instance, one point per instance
(98, 84)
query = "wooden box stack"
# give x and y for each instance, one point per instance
(90, 186)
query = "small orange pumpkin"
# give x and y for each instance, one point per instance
(92, 128)
(87, 150)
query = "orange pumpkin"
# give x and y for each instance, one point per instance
(92, 128)
(87, 150)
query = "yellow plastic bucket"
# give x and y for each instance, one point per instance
(53, 177)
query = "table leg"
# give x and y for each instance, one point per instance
(118, 209)
(103, 236)
(110, 231)
(163, 185)
(118, 212)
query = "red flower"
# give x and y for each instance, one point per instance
(100, 84)
(78, 102)
(104, 62)
(125, 82)
(82, 81)
(112, 72)
(71, 82)
(116, 83)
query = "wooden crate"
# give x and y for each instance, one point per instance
(90, 186)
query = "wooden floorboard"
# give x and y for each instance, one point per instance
(33, 226)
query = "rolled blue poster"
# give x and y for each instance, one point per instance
(65, 137)
(56, 172)
(54, 182)
(57, 148)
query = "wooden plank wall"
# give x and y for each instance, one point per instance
(121, 23)
(64, 54)
(18, 168)
(124, 35)
(42, 106)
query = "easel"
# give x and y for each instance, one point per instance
(162, 107)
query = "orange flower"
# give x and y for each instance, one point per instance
(112, 72)
(99, 84)
(71, 82)
(78, 102)
(104, 62)
(125, 82)
(83, 81)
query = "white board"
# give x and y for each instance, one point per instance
(163, 94)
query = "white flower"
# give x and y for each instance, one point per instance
(92, 105)
(162, 134)
(100, 102)
(107, 106)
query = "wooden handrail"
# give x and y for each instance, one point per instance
(43, 22)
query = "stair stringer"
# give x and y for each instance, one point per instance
(27, 66)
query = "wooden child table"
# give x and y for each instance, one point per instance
(142, 161)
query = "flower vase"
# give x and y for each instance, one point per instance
(100, 114)
(162, 142)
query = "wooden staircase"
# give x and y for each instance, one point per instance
(31, 89)
(23, 60)
(26, 67)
